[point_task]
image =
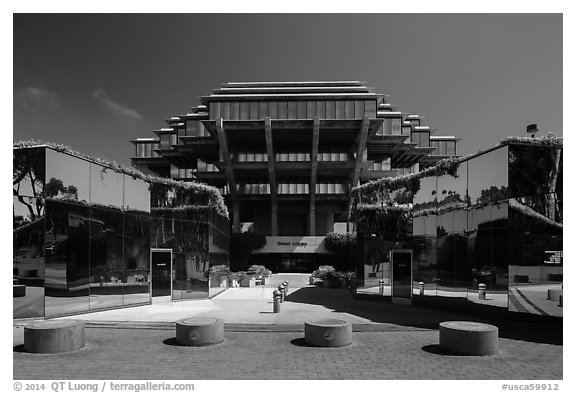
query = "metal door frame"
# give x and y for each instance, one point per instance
(401, 300)
(152, 250)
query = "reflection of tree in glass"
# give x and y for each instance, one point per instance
(492, 194)
(54, 187)
(536, 172)
(28, 168)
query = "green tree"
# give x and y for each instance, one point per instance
(344, 247)
(241, 245)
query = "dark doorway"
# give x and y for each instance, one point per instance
(401, 274)
(161, 261)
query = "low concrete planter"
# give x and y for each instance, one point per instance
(328, 333)
(248, 282)
(469, 338)
(54, 336)
(554, 294)
(19, 290)
(199, 332)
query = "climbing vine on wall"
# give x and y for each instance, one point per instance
(215, 198)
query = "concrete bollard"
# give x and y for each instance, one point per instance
(381, 287)
(281, 289)
(482, 291)
(421, 288)
(277, 299)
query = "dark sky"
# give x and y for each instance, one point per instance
(96, 81)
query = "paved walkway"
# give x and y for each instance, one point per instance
(152, 354)
(390, 342)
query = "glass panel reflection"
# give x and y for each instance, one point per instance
(28, 261)
(137, 258)
(488, 253)
(487, 228)
(66, 271)
(536, 275)
(424, 225)
(488, 177)
(106, 186)
(453, 274)
(136, 194)
(29, 171)
(67, 177)
(376, 277)
(106, 258)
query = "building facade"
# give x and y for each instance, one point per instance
(88, 236)
(486, 236)
(285, 156)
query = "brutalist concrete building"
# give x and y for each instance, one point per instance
(285, 156)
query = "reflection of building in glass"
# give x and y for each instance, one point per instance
(286, 154)
(84, 231)
(494, 223)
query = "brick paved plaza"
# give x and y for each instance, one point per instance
(390, 341)
(407, 354)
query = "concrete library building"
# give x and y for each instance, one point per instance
(285, 156)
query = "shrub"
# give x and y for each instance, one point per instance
(257, 269)
(218, 271)
(336, 275)
(323, 272)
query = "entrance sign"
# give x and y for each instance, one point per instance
(294, 244)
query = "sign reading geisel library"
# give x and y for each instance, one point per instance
(293, 244)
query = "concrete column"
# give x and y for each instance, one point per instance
(236, 217)
(329, 221)
(274, 220)
(312, 215)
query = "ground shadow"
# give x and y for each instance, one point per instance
(438, 350)
(300, 342)
(19, 348)
(172, 342)
(426, 317)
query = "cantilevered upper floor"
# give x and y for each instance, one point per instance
(304, 140)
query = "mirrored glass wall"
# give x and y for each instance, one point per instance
(83, 234)
(489, 236)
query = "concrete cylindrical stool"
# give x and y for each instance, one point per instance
(54, 336)
(328, 333)
(199, 331)
(554, 294)
(469, 338)
(19, 291)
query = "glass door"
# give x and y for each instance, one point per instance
(161, 267)
(401, 276)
